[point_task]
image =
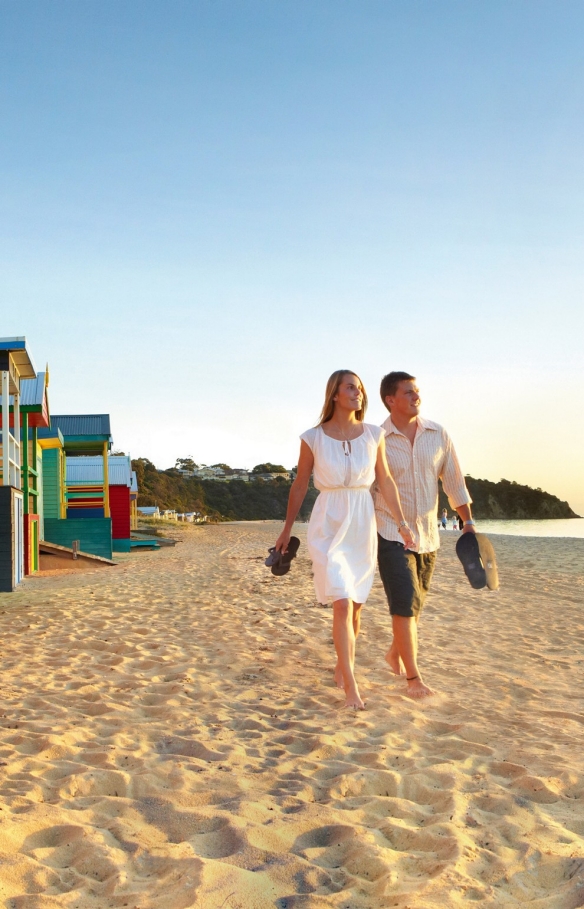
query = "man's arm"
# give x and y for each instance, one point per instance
(455, 487)
(464, 512)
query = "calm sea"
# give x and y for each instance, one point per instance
(561, 527)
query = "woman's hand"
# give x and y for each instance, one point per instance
(282, 541)
(406, 535)
(297, 493)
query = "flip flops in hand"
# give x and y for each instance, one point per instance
(279, 562)
(477, 555)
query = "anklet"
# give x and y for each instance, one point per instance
(412, 678)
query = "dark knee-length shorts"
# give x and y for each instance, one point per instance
(405, 575)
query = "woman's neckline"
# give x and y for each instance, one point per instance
(354, 439)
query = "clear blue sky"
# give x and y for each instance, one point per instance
(207, 207)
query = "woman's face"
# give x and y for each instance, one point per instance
(349, 394)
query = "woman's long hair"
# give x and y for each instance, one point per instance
(332, 387)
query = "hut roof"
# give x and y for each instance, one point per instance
(84, 432)
(16, 347)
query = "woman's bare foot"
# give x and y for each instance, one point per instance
(354, 701)
(338, 676)
(393, 661)
(416, 689)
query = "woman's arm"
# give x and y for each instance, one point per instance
(297, 493)
(388, 490)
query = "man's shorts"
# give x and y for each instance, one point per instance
(406, 576)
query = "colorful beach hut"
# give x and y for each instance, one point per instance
(120, 474)
(134, 502)
(35, 417)
(85, 497)
(15, 365)
(84, 476)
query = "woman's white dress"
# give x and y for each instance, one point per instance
(342, 535)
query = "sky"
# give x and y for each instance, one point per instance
(206, 207)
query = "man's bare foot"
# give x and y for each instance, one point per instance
(338, 676)
(416, 689)
(393, 661)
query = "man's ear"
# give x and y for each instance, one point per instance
(388, 401)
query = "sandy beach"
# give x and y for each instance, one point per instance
(171, 737)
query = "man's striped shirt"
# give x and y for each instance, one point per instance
(416, 469)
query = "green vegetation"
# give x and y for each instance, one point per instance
(269, 468)
(267, 499)
(507, 500)
(231, 500)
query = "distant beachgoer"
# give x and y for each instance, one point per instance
(346, 455)
(444, 519)
(419, 453)
(455, 520)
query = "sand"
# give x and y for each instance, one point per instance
(171, 737)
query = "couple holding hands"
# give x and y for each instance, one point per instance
(402, 460)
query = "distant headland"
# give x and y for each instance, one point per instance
(223, 493)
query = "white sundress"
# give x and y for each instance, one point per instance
(342, 534)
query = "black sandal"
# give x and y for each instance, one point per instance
(279, 561)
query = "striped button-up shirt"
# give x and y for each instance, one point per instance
(416, 469)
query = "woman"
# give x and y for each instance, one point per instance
(346, 455)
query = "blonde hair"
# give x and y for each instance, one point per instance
(332, 387)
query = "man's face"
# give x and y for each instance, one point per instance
(406, 401)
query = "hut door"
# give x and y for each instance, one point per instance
(18, 538)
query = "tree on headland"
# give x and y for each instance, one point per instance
(269, 468)
(225, 467)
(185, 464)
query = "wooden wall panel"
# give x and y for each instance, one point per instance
(94, 534)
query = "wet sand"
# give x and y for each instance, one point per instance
(171, 737)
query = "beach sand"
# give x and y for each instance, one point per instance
(171, 737)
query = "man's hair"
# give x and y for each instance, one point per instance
(390, 382)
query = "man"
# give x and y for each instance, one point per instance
(419, 453)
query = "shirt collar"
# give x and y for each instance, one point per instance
(423, 425)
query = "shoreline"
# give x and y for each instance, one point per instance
(443, 533)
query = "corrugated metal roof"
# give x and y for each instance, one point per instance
(120, 470)
(32, 391)
(87, 424)
(83, 469)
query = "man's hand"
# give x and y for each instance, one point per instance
(469, 528)
(407, 536)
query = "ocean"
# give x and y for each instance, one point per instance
(560, 527)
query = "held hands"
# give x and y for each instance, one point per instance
(406, 535)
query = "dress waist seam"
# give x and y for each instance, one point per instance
(340, 488)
